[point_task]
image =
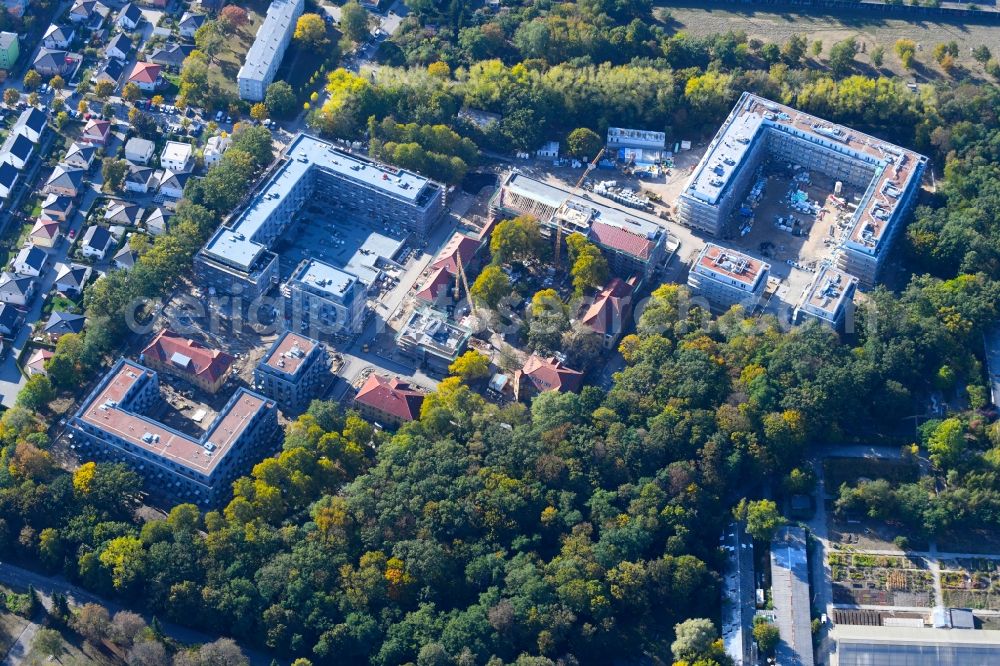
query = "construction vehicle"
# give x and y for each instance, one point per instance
(574, 192)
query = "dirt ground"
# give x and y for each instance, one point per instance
(870, 30)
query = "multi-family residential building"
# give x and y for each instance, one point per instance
(10, 49)
(829, 298)
(268, 48)
(325, 300)
(113, 424)
(726, 278)
(214, 148)
(57, 36)
(758, 128)
(293, 372)
(543, 374)
(633, 244)
(139, 150)
(146, 75)
(177, 156)
(188, 359)
(238, 257)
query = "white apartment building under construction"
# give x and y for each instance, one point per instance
(726, 278)
(829, 298)
(758, 128)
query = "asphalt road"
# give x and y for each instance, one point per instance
(19, 579)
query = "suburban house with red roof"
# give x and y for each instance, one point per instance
(96, 132)
(388, 401)
(184, 358)
(540, 375)
(146, 75)
(45, 233)
(608, 313)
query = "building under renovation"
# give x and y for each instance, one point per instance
(633, 244)
(726, 278)
(431, 339)
(759, 129)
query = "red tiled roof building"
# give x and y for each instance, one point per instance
(389, 401)
(184, 358)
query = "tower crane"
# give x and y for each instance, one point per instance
(576, 188)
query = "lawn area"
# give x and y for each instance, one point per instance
(830, 26)
(10, 628)
(76, 652)
(222, 72)
(849, 470)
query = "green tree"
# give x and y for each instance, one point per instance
(280, 98)
(842, 56)
(32, 80)
(259, 111)
(125, 558)
(583, 143)
(310, 29)
(794, 50)
(817, 48)
(57, 83)
(766, 635)
(947, 443)
(470, 367)
(37, 393)
(354, 22)
(209, 39)
(981, 54)
(878, 56)
(490, 287)
(113, 171)
(549, 319)
(49, 643)
(131, 92)
(518, 239)
(762, 518)
(11, 97)
(906, 49)
(103, 89)
(694, 639)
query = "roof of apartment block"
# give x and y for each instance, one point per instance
(236, 243)
(110, 411)
(893, 167)
(725, 263)
(289, 352)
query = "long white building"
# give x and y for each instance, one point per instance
(268, 48)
